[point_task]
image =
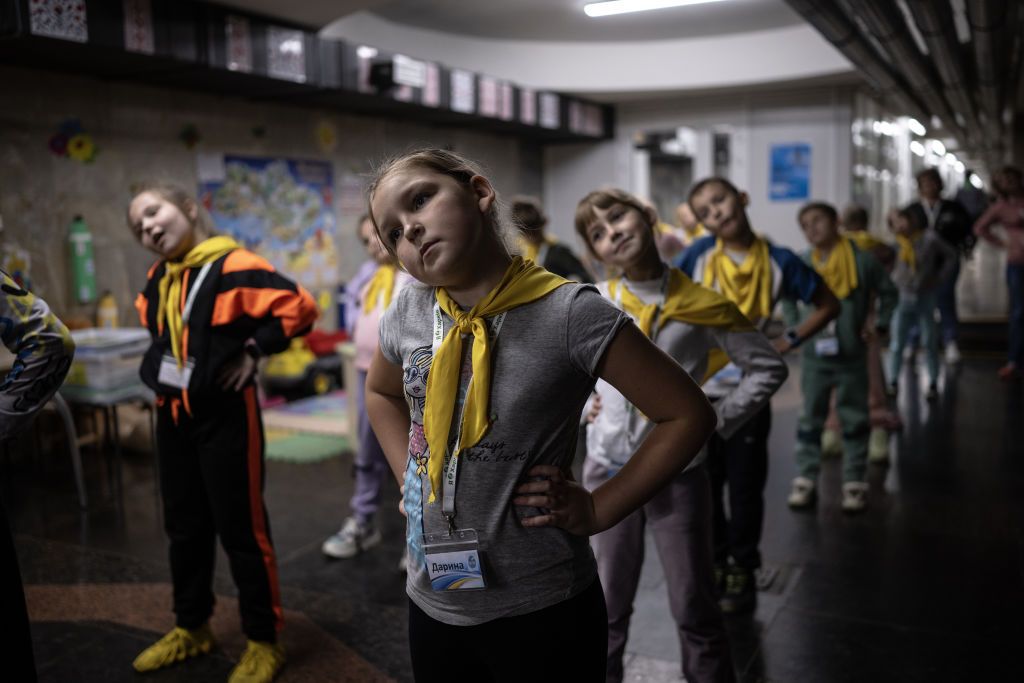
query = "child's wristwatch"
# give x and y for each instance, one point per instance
(792, 337)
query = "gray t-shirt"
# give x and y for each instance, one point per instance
(543, 370)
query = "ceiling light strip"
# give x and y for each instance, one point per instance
(613, 7)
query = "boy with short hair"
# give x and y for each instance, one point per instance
(836, 358)
(754, 275)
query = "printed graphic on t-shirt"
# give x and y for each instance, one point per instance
(414, 378)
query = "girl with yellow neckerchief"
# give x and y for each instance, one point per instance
(483, 433)
(701, 330)
(754, 275)
(359, 532)
(836, 359)
(212, 309)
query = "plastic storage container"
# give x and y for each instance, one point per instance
(107, 359)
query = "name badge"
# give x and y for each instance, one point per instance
(827, 347)
(173, 376)
(453, 561)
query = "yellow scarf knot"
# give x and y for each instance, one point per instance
(523, 283)
(687, 302)
(169, 308)
(749, 284)
(839, 270)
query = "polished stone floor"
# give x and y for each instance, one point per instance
(927, 585)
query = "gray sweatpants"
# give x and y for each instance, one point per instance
(679, 517)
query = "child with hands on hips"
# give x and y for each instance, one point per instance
(497, 529)
(701, 330)
(755, 275)
(212, 309)
(359, 532)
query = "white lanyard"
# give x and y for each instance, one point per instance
(451, 465)
(187, 313)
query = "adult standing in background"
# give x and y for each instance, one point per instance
(949, 219)
(973, 199)
(43, 349)
(1008, 211)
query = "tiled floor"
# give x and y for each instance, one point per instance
(927, 585)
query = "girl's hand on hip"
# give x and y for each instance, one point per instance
(237, 372)
(565, 504)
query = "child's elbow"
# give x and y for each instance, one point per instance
(706, 421)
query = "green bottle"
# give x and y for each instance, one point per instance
(83, 266)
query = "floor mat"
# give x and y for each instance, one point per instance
(308, 430)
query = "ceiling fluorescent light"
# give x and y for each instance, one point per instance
(607, 9)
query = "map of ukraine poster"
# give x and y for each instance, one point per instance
(282, 209)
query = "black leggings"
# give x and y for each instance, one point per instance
(565, 642)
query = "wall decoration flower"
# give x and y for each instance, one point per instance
(326, 136)
(81, 148)
(72, 141)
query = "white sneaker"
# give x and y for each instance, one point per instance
(802, 494)
(878, 445)
(952, 353)
(831, 444)
(855, 496)
(351, 540)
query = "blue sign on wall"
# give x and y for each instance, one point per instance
(790, 172)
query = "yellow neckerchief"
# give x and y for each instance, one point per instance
(531, 250)
(698, 231)
(748, 285)
(906, 245)
(382, 284)
(523, 283)
(685, 301)
(863, 239)
(663, 228)
(169, 308)
(839, 270)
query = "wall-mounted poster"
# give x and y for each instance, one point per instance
(790, 177)
(528, 107)
(138, 26)
(238, 37)
(286, 56)
(431, 85)
(283, 209)
(550, 112)
(463, 91)
(65, 19)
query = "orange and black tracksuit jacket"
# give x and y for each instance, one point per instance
(210, 441)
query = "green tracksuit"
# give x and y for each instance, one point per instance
(836, 358)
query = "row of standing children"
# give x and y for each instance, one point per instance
(475, 394)
(700, 330)
(475, 387)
